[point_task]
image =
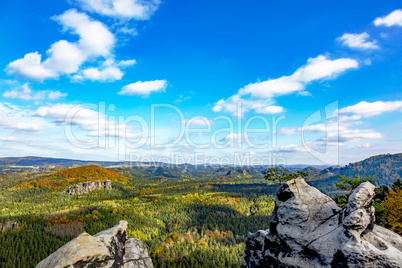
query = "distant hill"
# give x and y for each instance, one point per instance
(71, 176)
(322, 174)
(388, 168)
(40, 161)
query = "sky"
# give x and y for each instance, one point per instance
(218, 82)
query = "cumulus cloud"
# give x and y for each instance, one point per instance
(108, 71)
(369, 109)
(93, 122)
(30, 67)
(103, 75)
(143, 88)
(358, 41)
(355, 135)
(342, 127)
(95, 38)
(26, 93)
(316, 68)
(64, 57)
(122, 9)
(14, 118)
(258, 96)
(392, 19)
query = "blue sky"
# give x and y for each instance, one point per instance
(241, 82)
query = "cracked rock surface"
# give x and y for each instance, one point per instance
(89, 186)
(308, 229)
(109, 248)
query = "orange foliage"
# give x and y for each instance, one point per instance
(73, 176)
(62, 220)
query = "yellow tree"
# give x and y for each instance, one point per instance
(393, 210)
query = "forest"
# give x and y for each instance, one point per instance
(184, 221)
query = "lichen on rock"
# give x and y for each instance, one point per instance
(308, 229)
(109, 248)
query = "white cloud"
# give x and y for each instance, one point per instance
(287, 131)
(198, 121)
(250, 96)
(393, 19)
(94, 123)
(355, 135)
(143, 88)
(269, 110)
(127, 30)
(122, 9)
(291, 148)
(339, 130)
(64, 57)
(30, 67)
(11, 138)
(369, 109)
(94, 74)
(26, 93)
(14, 118)
(95, 38)
(238, 106)
(316, 68)
(366, 145)
(358, 41)
(108, 71)
(233, 138)
(126, 63)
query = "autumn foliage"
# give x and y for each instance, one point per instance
(71, 176)
(393, 210)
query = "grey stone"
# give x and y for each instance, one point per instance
(86, 187)
(307, 229)
(109, 248)
(9, 225)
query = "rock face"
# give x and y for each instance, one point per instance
(86, 187)
(307, 229)
(109, 248)
(9, 225)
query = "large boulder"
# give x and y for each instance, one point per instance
(109, 248)
(307, 229)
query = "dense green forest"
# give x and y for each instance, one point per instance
(186, 222)
(197, 218)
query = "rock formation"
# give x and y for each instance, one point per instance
(307, 229)
(109, 248)
(9, 225)
(86, 187)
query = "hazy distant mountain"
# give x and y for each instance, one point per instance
(40, 161)
(388, 167)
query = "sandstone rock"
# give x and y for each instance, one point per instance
(109, 248)
(307, 229)
(86, 187)
(9, 225)
(107, 185)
